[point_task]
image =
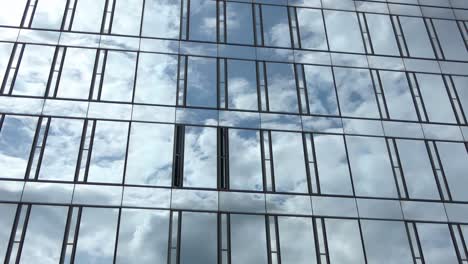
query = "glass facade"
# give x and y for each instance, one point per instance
(234, 131)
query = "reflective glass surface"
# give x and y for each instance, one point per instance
(149, 158)
(275, 26)
(451, 39)
(202, 20)
(239, 22)
(382, 34)
(248, 239)
(119, 75)
(454, 158)
(88, 15)
(398, 95)
(127, 17)
(11, 15)
(321, 90)
(344, 243)
(436, 243)
(416, 36)
(49, 14)
(312, 29)
(460, 85)
(7, 216)
(297, 240)
(343, 31)
(161, 18)
(198, 241)
(201, 82)
(242, 85)
(282, 91)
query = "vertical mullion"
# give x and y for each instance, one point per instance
(90, 150)
(66, 234)
(72, 16)
(64, 17)
(33, 147)
(17, 67)
(41, 154)
(117, 234)
(77, 232)
(23, 233)
(80, 151)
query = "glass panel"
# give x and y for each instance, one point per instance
(202, 20)
(119, 76)
(296, 240)
(33, 72)
(245, 161)
(242, 85)
(96, 239)
(149, 159)
(382, 34)
(398, 96)
(161, 18)
(49, 14)
(386, 242)
(11, 13)
(356, 93)
(343, 31)
(288, 156)
(275, 26)
(77, 72)
(312, 29)
(417, 39)
(239, 23)
(344, 241)
(198, 239)
(332, 165)
(16, 138)
(156, 79)
(419, 177)
(450, 39)
(321, 90)
(5, 51)
(61, 149)
(44, 235)
(143, 236)
(248, 239)
(461, 86)
(436, 99)
(454, 158)
(201, 82)
(282, 91)
(370, 167)
(436, 243)
(88, 15)
(7, 216)
(200, 157)
(127, 17)
(108, 152)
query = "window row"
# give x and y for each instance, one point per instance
(250, 24)
(59, 234)
(161, 79)
(149, 154)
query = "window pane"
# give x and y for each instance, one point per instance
(201, 82)
(275, 26)
(202, 20)
(288, 156)
(282, 91)
(88, 15)
(5, 51)
(143, 236)
(321, 90)
(77, 72)
(239, 23)
(119, 76)
(356, 93)
(108, 152)
(332, 165)
(398, 95)
(200, 157)
(242, 85)
(454, 158)
(436, 243)
(417, 39)
(248, 239)
(49, 14)
(161, 18)
(156, 79)
(417, 169)
(386, 242)
(44, 235)
(61, 149)
(16, 138)
(11, 13)
(96, 239)
(199, 235)
(127, 17)
(245, 161)
(149, 159)
(297, 242)
(312, 29)
(33, 72)
(436, 99)
(450, 39)
(370, 167)
(7, 216)
(344, 241)
(382, 34)
(461, 85)
(343, 31)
